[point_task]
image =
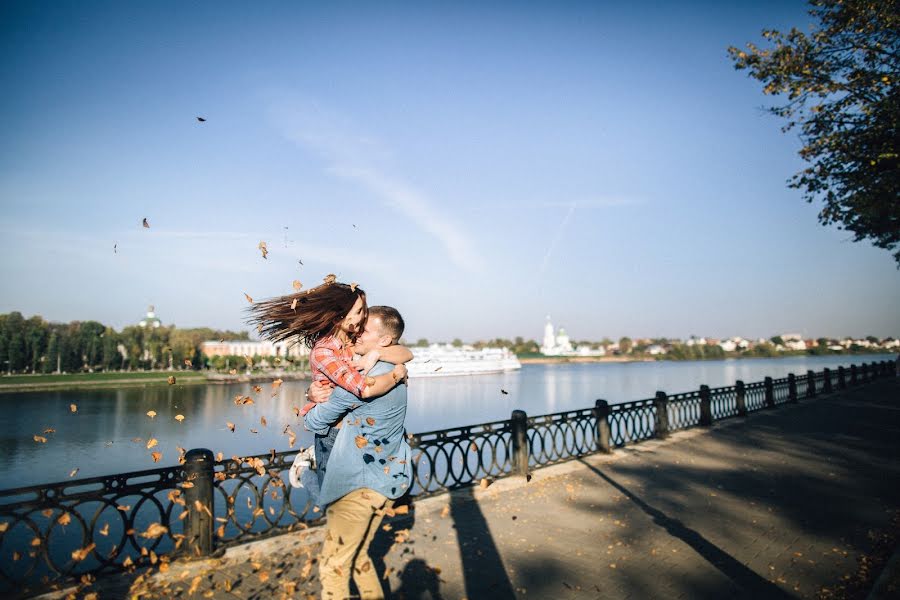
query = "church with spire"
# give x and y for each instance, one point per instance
(150, 320)
(557, 343)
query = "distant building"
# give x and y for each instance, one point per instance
(150, 320)
(559, 344)
(248, 348)
(792, 341)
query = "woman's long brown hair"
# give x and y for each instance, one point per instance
(309, 315)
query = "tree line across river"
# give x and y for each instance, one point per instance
(35, 345)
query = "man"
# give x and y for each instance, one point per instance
(368, 469)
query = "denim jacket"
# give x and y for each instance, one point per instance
(383, 462)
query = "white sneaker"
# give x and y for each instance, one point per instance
(302, 473)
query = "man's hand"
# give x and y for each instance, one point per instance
(319, 391)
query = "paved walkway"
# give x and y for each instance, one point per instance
(786, 503)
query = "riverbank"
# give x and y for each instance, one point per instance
(66, 381)
(549, 360)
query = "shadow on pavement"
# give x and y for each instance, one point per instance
(483, 570)
(742, 576)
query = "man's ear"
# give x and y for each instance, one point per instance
(385, 341)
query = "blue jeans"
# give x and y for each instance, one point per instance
(323, 447)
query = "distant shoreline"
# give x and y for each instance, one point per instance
(75, 381)
(581, 359)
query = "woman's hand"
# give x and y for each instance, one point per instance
(399, 373)
(367, 361)
(319, 391)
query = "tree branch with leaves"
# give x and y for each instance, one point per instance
(840, 87)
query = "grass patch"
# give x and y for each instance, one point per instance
(52, 378)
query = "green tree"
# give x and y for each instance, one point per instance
(840, 86)
(625, 345)
(421, 342)
(777, 340)
(457, 342)
(52, 353)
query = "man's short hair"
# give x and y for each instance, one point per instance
(391, 322)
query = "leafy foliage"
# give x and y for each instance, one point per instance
(36, 346)
(840, 83)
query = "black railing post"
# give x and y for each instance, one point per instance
(661, 402)
(770, 393)
(827, 386)
(865, 373)
(706, 418)
(853, 375)
(519, 425)
(199, 501)
(842, 378)
(601, 414)
(741, 394)
(810, 384)
(897, 365)
(792, 388)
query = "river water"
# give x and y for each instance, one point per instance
(109, 432)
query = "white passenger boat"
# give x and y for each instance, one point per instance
(445, 360)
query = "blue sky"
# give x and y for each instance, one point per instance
(478, 166)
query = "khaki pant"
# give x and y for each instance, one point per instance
(352, 523)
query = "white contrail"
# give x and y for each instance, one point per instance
(559, 232)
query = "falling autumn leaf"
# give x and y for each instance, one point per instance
(188, 363)
(220, 456)
(504, 392)
(248, 297)
(171, 380)
(49, 430)
(230, 426)
(253, 430)
(64, 519)
(485, 482)
(257, 389)
(361, 442)
(292, 438)
(248, 360)
(104, 530)
(156, 456)
(297, 285)
(263, 422)
(353, 287)
(445, 511)
(370, 421)
(73, 472)
(151, 442)
(277, 384)
(330, 278)
(232, 372)
(151, 413)
(179, 418)
(80, 555)
(262, 248)
(73, 408)
(154, 531)
(146, 223)
(294, 304)
(40, 439)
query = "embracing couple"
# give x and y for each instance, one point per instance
(357, 409)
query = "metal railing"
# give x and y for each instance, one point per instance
(82, 528)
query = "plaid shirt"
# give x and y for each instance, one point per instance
(331, 361)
